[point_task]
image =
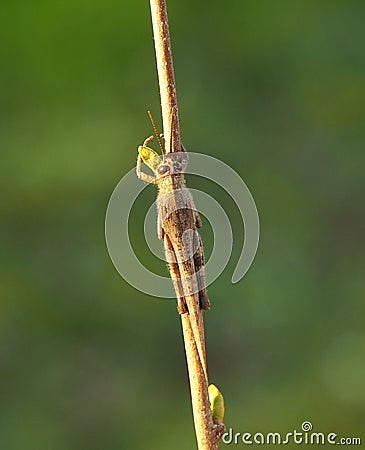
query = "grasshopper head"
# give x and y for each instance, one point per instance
(172, 164)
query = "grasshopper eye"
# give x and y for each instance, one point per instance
(163, 169)
(177, 166)
(185, 160)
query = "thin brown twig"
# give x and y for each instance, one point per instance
(206, 432)
(165, 69)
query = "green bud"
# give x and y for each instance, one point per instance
(216, 403)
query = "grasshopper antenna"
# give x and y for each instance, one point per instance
(156, 132)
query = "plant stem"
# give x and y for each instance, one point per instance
(207, 434)
(206, 438)
(165, 69)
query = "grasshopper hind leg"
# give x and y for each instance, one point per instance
(175, 275)
(204, 300)
(200, 271)
(198, 221)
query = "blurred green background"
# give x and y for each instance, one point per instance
(274, 89)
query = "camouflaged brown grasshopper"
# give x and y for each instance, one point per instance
(177, 223)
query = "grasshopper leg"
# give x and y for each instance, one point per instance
(200, 271)
(175, 275)
(198, 220)
(141, 175)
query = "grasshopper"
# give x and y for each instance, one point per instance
(177, 223)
